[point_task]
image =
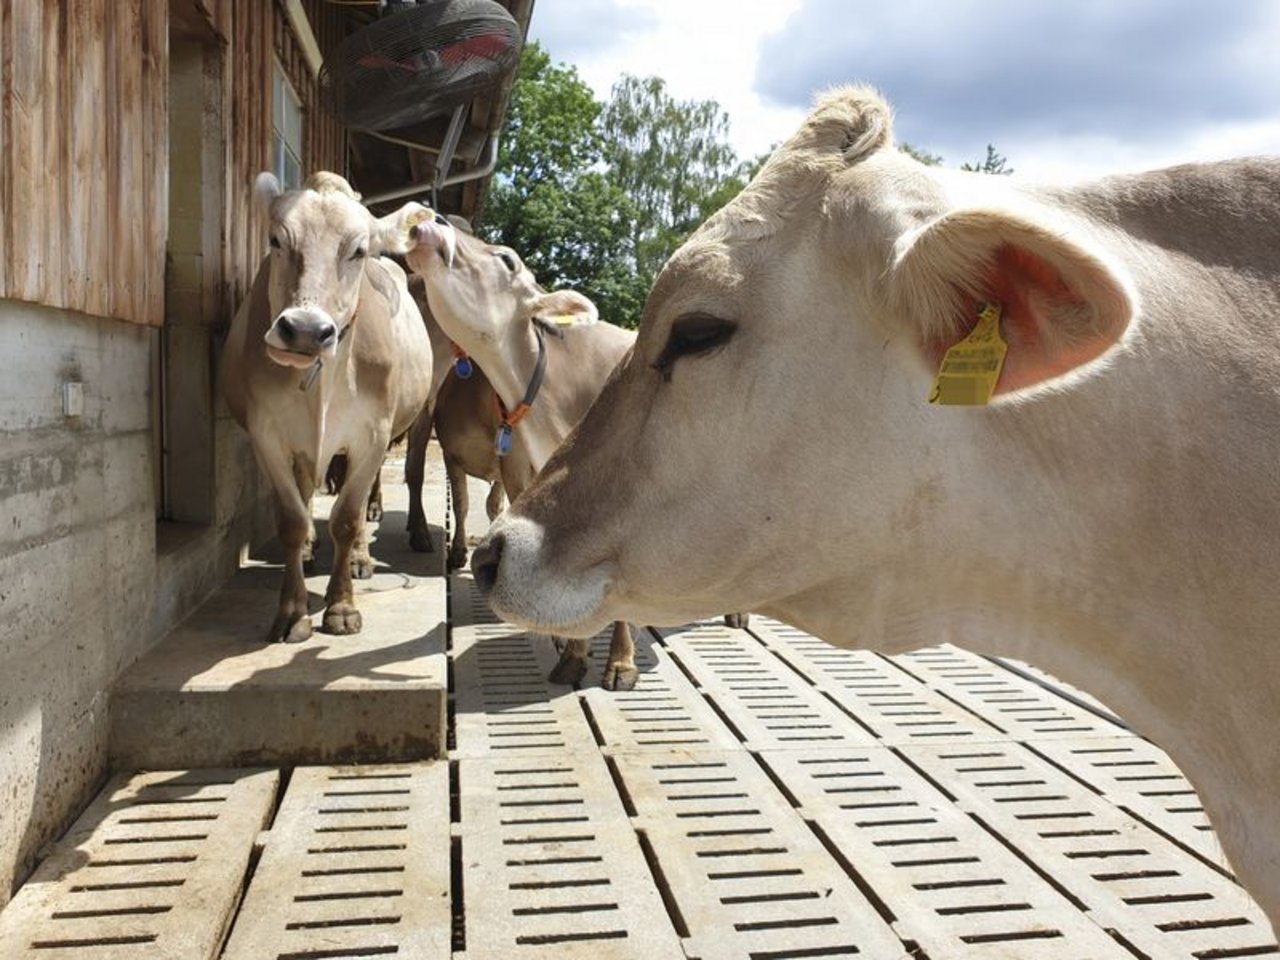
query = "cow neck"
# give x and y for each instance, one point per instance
(313, 372)
(530, 367)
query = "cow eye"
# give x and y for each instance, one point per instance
(359, 253)
(275, 242)
(694, 335)
(508, 260)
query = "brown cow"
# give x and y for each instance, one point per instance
(327, 355)
(1040, 421)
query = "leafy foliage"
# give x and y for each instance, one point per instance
(598, 196)
(995, 162)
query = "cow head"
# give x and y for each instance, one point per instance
(768, 445)
(321, 238)
(482, 295)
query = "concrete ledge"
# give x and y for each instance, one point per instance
(212, 694)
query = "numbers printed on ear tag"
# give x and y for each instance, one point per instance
(502, 443)
(463, 368)
(971, 368)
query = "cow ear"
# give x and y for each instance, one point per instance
(391, 233)
(566, 307)
(1063, 305)
(266, 188)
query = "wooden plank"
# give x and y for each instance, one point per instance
(52, 202)
(5, 163)
(155, 170)
(24, 98)
(82, 77)
(129, 225)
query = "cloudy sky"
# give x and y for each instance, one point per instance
(1063, 88)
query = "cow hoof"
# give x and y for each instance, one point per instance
(284, 631)
(342, 619)
(457, 558)
(738, 621)
(620, 676)
(373, 513)
(420, 541)
(362, 568)
(569, 671)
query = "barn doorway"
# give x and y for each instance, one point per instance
(183, 355)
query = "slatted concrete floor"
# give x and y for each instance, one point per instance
(758, 795)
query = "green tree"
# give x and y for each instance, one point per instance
(598, 196)
(924, 156)
(550, 200)
(666, 155)
(996, 163)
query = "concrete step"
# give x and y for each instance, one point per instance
(212, 694)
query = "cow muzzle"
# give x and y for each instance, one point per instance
(513, 574)
(300, 335)
(436, 234)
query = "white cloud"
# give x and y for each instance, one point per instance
(703, 49)
(1086, 88)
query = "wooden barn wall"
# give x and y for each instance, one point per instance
(84, 145)
(83, 155)
(256, 31)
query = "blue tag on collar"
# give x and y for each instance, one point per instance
(463, 368)
(502, 443)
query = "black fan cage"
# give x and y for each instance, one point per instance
(418, 63)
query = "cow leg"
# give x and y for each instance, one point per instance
(295, 531)
(572, 667)
(346, 526)
(493, 503)
(738, 621)
(620, 672)
(304, 481)
(461, 504)
(373, 509)
(415, 469)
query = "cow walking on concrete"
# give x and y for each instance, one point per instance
(327, 355)
(546, 356)
(462, 410)
(1040, 422)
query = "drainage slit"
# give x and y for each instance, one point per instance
(354, 952)
(347, 895)
(546, 939)
(94, 942)
(110, 912)
(350, 922)
(568, 908)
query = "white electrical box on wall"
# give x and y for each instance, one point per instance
(73, 399)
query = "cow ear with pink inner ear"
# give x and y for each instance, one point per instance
(1063, 307)
(393, 233)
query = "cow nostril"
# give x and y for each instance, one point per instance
(485, 560)
(414, 231)
(326, 333)
(442, 219)
(286, 329)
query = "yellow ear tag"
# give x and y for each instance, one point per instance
(411, 221)
(564, 319)
(970, 369)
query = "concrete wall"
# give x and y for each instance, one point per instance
(86, 585)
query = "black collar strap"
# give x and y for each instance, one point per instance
(502, 443)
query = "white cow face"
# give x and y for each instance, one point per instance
(320, 238)
(482, 295)
(769, 445)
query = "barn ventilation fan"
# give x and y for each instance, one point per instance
(419, 61)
